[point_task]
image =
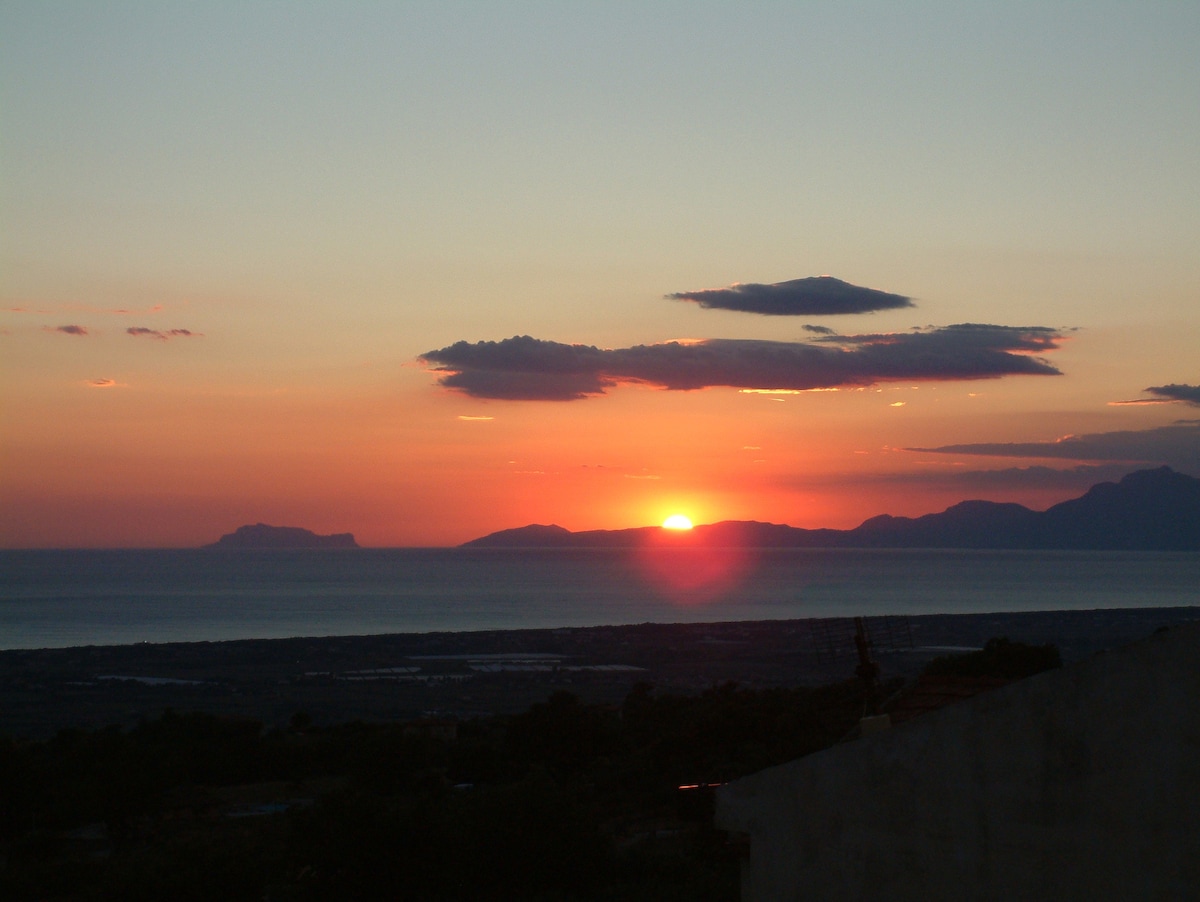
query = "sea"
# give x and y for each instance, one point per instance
(57, 599)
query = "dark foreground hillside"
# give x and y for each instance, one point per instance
(566, 800)
(598, 790)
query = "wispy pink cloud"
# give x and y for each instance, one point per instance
(161, 334)
(52, 309)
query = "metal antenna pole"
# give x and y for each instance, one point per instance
(867, 670)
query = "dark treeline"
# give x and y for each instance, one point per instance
(567, 800)
(999, 658)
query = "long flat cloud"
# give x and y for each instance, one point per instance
(815, 296)
(1081, 477)
(1177, 445)
(529, 369)
(975, 483)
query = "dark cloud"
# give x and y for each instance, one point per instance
(160, 334)
(1189, 394)
(1177, 445)
(815, 296)
(818, 330)
(525, 368)
(522, 369)
(69, 330)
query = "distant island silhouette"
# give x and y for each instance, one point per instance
(260, 535)
(1148, 510)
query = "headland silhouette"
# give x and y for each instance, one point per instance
(1148, 510)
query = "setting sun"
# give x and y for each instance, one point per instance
(677, 521)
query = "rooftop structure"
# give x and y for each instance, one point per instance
(1077, 783)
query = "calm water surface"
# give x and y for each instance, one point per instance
(65, 598)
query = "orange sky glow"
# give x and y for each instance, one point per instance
(504, 268)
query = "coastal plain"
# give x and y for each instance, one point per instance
(457, 676)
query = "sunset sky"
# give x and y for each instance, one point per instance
(421, 271)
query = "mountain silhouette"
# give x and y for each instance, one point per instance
(260, 535)
(1148, 510)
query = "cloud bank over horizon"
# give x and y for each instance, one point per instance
(976, 483)
(523, 368)
(813, 296)
(1177, 445)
